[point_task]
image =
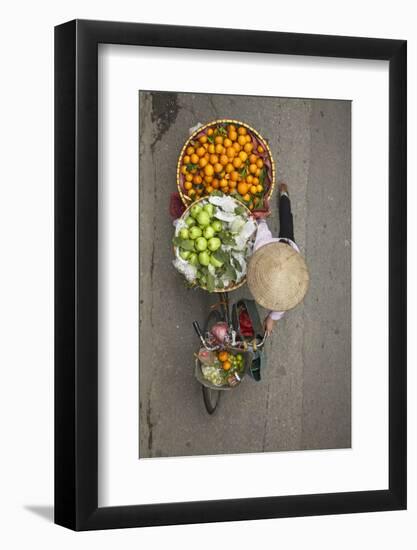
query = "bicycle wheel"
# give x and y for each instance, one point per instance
(211, 397)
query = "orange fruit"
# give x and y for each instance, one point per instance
(246, 197)
(233, 135)
(243, 156)
(227, 142)
(224, 160)
(249, 178)
(214, 159)
(219, 148)
(253, 189)
(209, 189)
(188, 185)
(230, 152)
(208, 179)
(231, 128)
(241, 140)
(209, 170)
(202, 139)
(229, 168)
(215, 183)
(251, 206)
(259, 163)
(218, 167)
(201, 151)
(260, 149)
(234, 176)
(248, 138)
(258, 172)
(253, 158)
(191, 193)
(252, 168)
(197, 179)
(203, 162)
(227, 365)
(218, 139)
(194, 158)
(190, 150)
(211, 148)
(232, 184)
(188, 177)
(242, 131)
(184, 170)
(242, 188)
(186, 159)
(210, 132)
(248, 147)
(223, 356)
(259, 188)
(237, 163)
(223, 182)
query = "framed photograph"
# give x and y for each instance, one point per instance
(230, 254)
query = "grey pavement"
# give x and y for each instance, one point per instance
(304, 399)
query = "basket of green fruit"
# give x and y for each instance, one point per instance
(213, 240)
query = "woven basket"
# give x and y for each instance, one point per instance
(180, 177)
(232, 286)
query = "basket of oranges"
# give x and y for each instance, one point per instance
(228, 156)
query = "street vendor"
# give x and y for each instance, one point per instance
(277, 274)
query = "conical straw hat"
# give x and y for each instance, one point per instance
(277, 276)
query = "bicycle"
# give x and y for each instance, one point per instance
(233, 340)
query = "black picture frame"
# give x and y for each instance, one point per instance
(76, 272)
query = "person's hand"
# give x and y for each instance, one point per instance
(269, 325)
(262, 214)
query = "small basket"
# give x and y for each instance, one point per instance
(201, 130)
(247, 357)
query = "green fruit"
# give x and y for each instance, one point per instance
(185, 254)
(195, 210)
(204, 258)
(208, 232)
(195, 232)
(217, 225)
(214, 262)
(203, 218)
(209, 208)
(193, 258)
(214, 244)
(200, 244)
(190, 221)
(184, 234)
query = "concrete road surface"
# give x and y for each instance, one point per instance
(304, 399)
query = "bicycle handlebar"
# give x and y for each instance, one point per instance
(202, 339)
(215, 348)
